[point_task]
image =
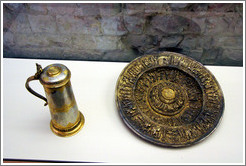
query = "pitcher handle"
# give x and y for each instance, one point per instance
(32, 78)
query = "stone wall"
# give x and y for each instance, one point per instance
(208, 32)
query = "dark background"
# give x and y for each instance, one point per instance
(208, 32)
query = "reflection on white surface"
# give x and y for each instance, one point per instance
(104, 137)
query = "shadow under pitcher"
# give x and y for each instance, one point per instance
(66, 119)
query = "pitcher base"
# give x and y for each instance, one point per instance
(71, 131)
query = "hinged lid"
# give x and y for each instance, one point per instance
(55, 75)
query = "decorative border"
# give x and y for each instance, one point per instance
(205, 123)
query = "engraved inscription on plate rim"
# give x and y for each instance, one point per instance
(169, 99)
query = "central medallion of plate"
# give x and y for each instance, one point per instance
(168, 92)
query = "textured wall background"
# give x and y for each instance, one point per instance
(210, 33)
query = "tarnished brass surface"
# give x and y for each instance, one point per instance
(66, 119)
(169, 99)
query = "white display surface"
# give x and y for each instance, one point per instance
(105, 137)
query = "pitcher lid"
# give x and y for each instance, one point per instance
(55, 75)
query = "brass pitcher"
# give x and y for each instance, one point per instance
(66, 119)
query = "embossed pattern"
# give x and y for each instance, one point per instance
(169, 99)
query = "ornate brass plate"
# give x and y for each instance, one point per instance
(169, 99)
